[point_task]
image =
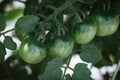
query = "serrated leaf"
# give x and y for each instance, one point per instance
(81, 72)
(2, 52)
(25, 25)
(9, 43)
(68, 77)
(90, 53)
(2, 23)
(52, 70)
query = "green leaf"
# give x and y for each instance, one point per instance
(9, 43)
(25, 25)
(2, 52)
(13, 14)
(90, 53)
(52, 70)
(110, 45)
(81, 72)
(68, 77)
(104, 62)
(2, 23)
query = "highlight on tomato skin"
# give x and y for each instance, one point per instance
(32, 51)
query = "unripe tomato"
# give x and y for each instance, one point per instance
(32, 51)
(25, 25)
(60, 46)
(107, 23)
(85, 31)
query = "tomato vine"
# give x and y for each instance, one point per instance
(52, 32)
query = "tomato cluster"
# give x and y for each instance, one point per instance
(95, 24)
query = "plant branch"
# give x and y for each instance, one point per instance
(116, 71)
(51, 7)
(68, 67)
(41, 15)
(3, 33)
(58, 10)
(68, 62)
(20, 1)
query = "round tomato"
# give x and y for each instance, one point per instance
(60, 46)
(85, 31)
(32, 51)
(107, 23)
(25, 25)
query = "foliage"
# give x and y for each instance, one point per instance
(49, 39)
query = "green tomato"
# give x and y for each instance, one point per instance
(60, 46)
(85, 31)
(25, 25)
(32, 51)
(107, 23)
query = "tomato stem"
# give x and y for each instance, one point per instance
(3, 33)
(58, 10)
(41, 15)
(108, 5)
(116, 71)
(51, 7)
(43, 33)
(58, 27)
(67, 66)
(20, 1)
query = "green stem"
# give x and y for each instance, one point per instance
(58, 27)
(76, 12)
(59, 31)
(43, 33)
(116, 71)
(68, 62)
(108, 5)
(58, 10)
(20, 1)
(41, 15)
(51, 7)
(3, 33)
(68, 67)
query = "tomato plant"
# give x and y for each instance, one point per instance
(32, 51)
(49, 35)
